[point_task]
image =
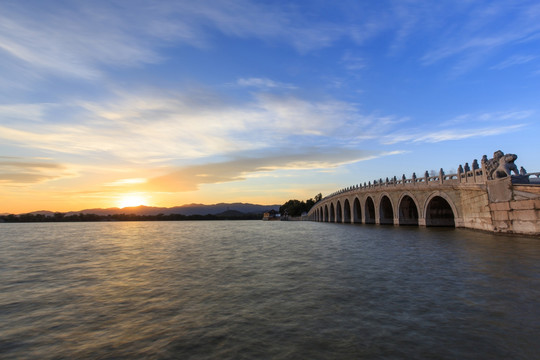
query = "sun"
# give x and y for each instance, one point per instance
(131, 200)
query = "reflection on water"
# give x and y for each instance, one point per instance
(265, 290)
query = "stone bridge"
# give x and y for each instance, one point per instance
(482, 197)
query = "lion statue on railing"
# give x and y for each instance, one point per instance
(500, 165)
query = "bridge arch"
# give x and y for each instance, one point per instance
(357, 211)
(439, 210)
(408, 209)
(325, 216)
(346, 211)
(332, 213)
(339, 212)
(369, 211)
(386, 210)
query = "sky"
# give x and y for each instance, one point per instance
(162, 103)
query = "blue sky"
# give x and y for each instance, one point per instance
(174, 102)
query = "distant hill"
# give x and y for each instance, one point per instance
(190, 209)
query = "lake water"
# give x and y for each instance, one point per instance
(265, 290)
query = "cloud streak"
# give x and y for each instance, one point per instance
(263, 83)
(449, 134)
(80, 39)
(483, 31)
(191, 125)
(173, 128)
(189, 178)
(19, 171)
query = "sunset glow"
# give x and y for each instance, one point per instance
(132, 200)
(249, 101)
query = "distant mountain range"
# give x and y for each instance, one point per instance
(190, 209)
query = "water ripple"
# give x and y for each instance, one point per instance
(255, 290)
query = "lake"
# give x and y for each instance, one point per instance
(265, 290)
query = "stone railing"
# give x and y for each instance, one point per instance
(470, 176)
(533, 178)
(473, 174)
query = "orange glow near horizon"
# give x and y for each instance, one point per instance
(130, 200)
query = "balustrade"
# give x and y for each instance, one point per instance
(465, 174)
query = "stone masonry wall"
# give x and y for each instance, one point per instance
(475, 209)
(514, 208)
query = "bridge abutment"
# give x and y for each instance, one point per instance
(514, 208)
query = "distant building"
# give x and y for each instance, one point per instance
(271, 215)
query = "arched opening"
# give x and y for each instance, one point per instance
(347, 212)
(408, 213)
(386, 214)
(339, 216)
(370, 211)
(325, 216)
(357, 212)
(332, 213)
(439, 213)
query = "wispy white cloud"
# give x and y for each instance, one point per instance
(78, 39)
(465, 126)
(168, 128)
(513, 61)
(509, 117)
(264, 83)
(353, 62)
(448, 134)
(297, 116)
(70, 41)
(81, 39)
(149, 126)
(25, 112)
(483, 29)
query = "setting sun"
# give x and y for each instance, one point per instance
(131, 200)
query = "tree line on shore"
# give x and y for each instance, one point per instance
(293, 208)
(60, 217)
(296, 208)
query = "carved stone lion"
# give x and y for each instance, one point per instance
(506, 166)
(500, 165)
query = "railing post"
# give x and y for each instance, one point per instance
(467, 171)
(441, 176)
(474, 168)
(484, 172)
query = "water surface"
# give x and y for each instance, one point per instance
(265, 290)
